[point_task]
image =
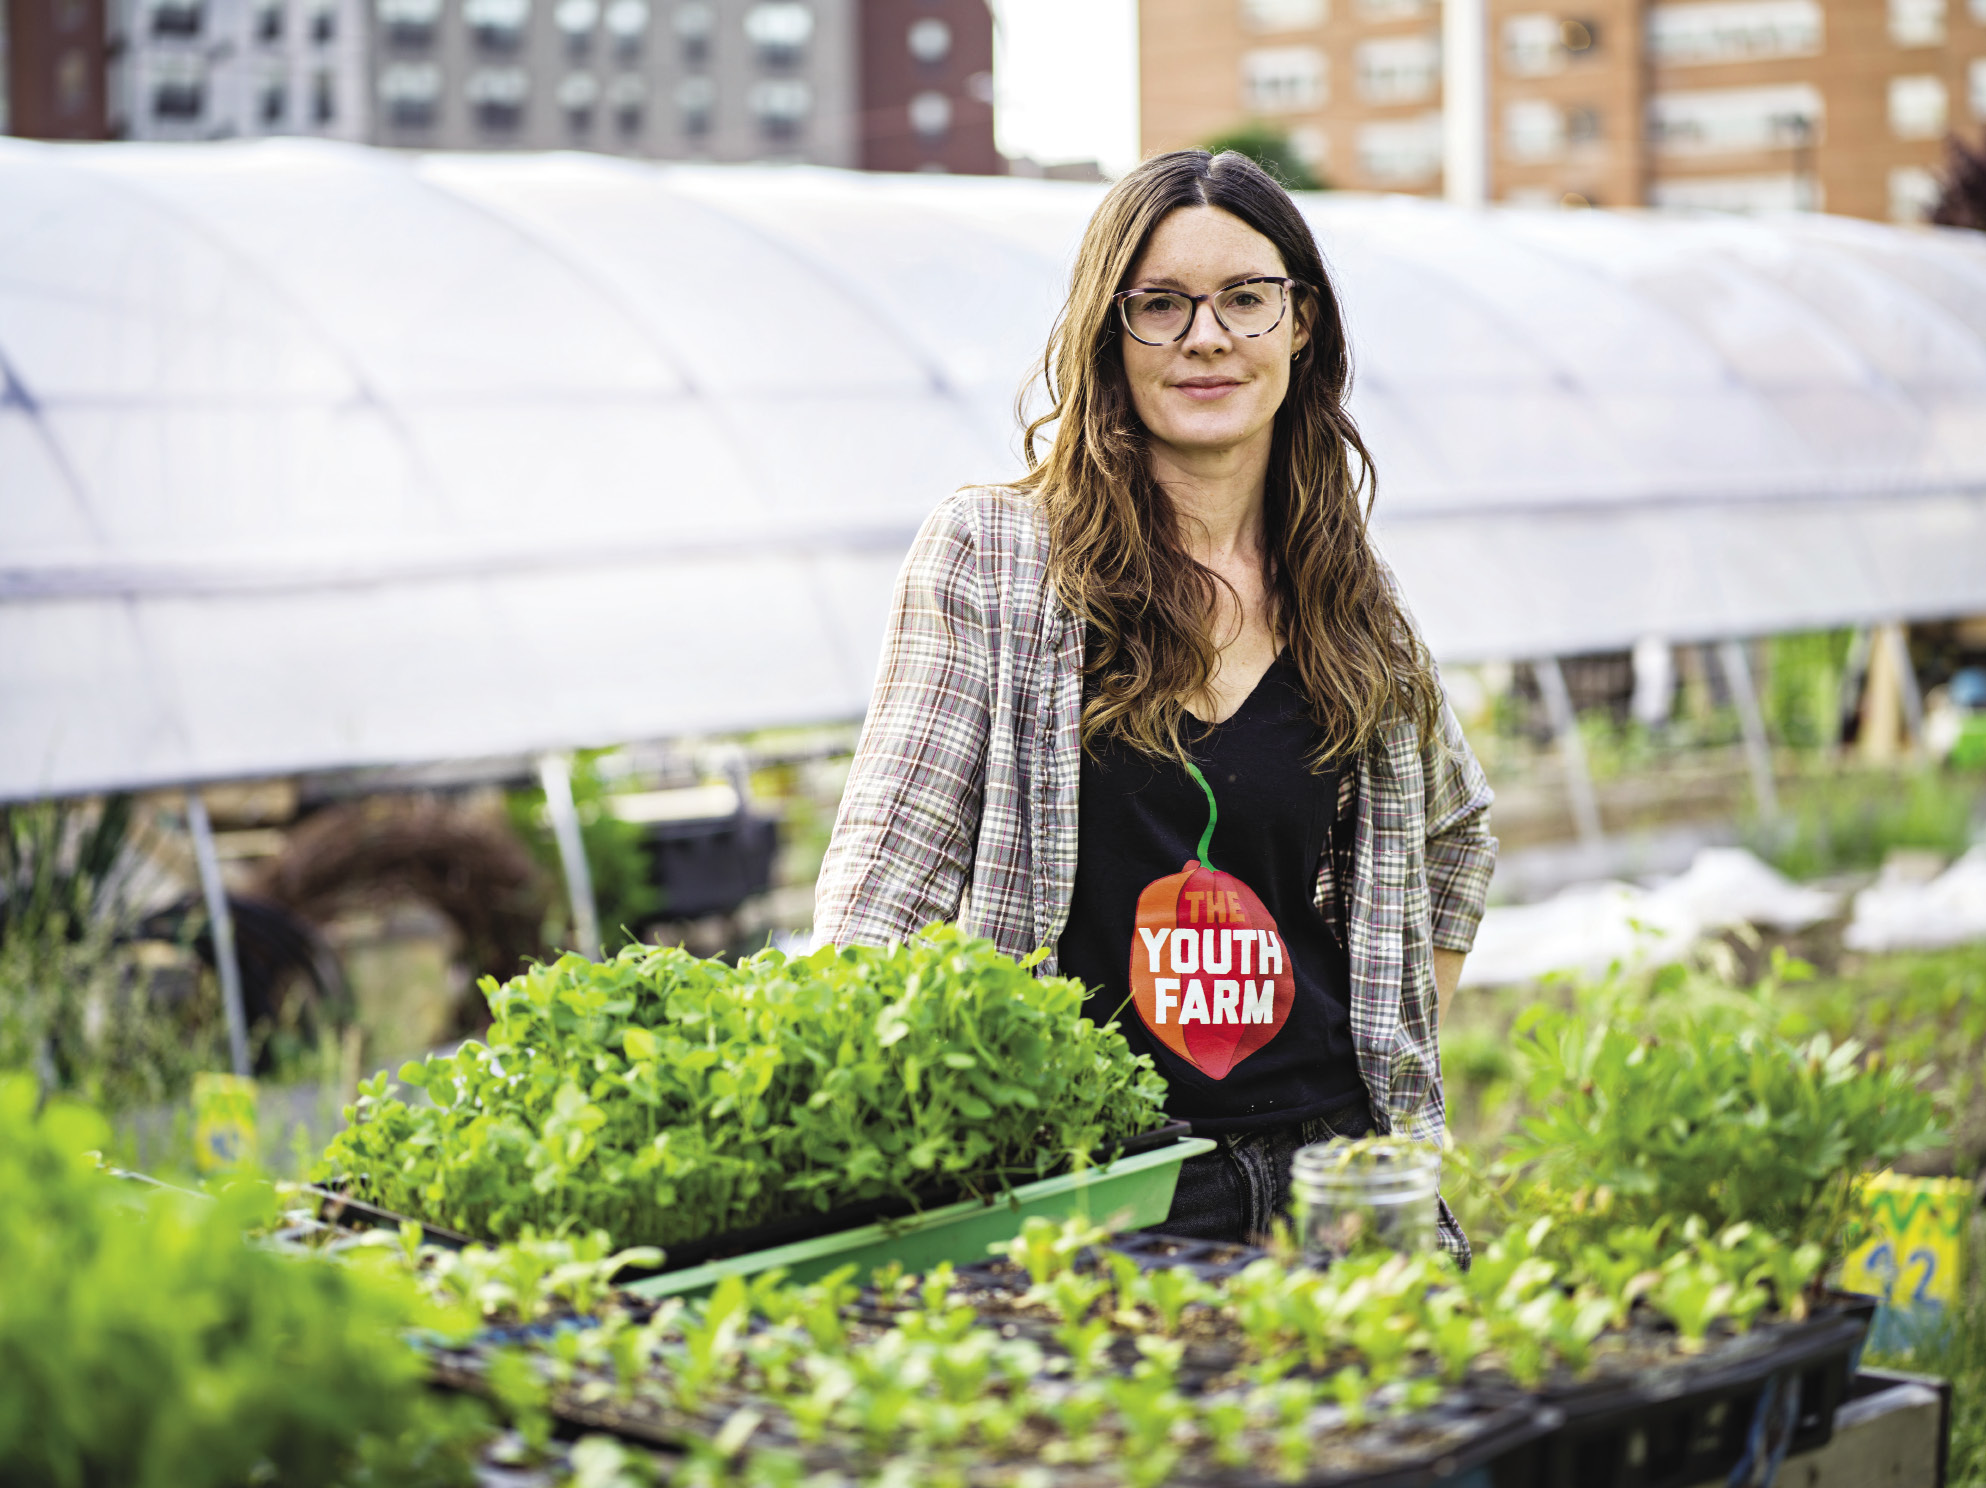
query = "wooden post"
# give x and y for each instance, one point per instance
(1886, 696)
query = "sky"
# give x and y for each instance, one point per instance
(1066, 80)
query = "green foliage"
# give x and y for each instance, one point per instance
(1801, 698)
(661, 1098)
(623, 889)
(72, 1009)
(920, 1383)
(1852, 821)
(1701, 1109)
(1919, 1008)
(143, 1343)
(1270, 148)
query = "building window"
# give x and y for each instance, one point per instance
(695, 22)
(272, 101)
(1716, 121)
(268, 20)
(1394, 10)
(1398, 69)
(577, 93)
(1532, 45)
(409, 22)
(409, 91)
(779, 31)
(497, 24)
(1582, 126)
(179, 89)
(497, 96)
(1690, 35)
(1917, 107)
(696, 100)
(1780, 191)
(1913, 191)
(627, 100)
(1312, 147)
(1283, 80)
(1917, 23)
(781, 105)
(1283, 15)
(177, 17)
(323, 22)
(576, 20)
(930, 116)
(1533, 130)
(323, 97)
(1975, 81)
(627, 24)
(1406, 153)
(930, 40)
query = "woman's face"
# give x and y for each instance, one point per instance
(1212, 390)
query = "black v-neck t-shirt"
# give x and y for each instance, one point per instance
(1216, 960)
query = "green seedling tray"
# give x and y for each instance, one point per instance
(1128, 1194)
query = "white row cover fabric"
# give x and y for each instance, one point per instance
(313, 456)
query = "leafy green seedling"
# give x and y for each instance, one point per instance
(1171, 1292)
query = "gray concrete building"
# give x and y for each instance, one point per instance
(724, 80)
(227, 69)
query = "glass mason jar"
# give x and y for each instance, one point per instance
(1379, 1192)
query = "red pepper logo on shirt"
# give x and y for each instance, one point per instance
(1208, 971)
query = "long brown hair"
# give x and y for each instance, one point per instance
(1117, 559)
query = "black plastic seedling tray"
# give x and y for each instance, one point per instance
(1695, 1420)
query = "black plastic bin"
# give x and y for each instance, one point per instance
(1697, 1420)
(712, 865)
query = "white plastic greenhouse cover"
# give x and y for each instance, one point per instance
(313, 456)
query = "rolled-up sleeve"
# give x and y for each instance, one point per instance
(902, 850)
(1461, 854)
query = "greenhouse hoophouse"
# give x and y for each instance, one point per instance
(519, 452)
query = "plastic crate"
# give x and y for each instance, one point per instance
(1699, 1419)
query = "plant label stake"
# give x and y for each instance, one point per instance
(1209, 973)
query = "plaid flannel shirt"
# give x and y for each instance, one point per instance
(961, 802)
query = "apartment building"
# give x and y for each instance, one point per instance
(1839, 105)
(701, 79)
(234, 69)
(880, 84)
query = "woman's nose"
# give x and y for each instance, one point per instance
(1205, 331)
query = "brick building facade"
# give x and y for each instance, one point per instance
(57, 69)
(1744, 104)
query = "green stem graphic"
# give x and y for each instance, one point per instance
(1213, 815)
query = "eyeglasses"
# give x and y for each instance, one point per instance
(1158, 317)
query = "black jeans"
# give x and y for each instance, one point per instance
(1241, 1188)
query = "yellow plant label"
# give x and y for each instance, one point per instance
(223, 1122)
(1913, 1257)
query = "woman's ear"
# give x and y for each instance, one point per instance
(1304, 315)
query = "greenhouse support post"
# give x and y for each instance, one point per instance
(1572, 749)
(1751, 723)
(221, 921)
(555, 774)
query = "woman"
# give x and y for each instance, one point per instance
(1157, 707)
